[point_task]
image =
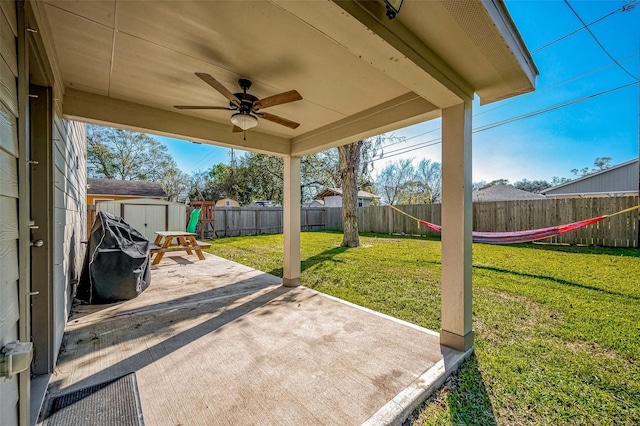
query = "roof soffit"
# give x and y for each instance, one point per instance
(345, 58)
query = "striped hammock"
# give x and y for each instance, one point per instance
(521, 236)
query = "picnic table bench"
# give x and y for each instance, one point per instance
(167, 241)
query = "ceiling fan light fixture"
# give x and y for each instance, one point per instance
(244, 120)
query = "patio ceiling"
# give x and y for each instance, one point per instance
(126, 63)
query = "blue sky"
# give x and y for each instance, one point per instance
(545, 145)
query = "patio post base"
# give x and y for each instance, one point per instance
(290, 282)
(455, 341)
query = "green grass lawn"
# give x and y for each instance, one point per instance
(557, 328)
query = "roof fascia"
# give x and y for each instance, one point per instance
(499, 14)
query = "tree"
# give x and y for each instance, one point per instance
(401, 183)
(260, 177)
(355, 167)
(557, 180)
(600, 163)
(176, 184)
(498, 182)
(580, 172)
(125, 155)
(393, 180)
(349, 166)
(263, 178)
(535, 186)
(477, 186)
(319, 171)
(429, 174)
(213, 184)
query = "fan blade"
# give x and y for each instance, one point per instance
(283, 121)
(237, 129)
(202, 107)
(282, 98)
(219, 87)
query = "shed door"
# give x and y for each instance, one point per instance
(146, 218)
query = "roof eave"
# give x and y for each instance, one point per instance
(501, 18)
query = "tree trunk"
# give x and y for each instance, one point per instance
(349, 165)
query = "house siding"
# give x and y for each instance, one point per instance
(617, 180)
(68, 219)
(9, 271)
(70, 210)
(333, 201)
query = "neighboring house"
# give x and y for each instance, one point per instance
(114, 190)
(617, 181)
(504, 193)
(332, 197)
(316, 203)
(227, 202)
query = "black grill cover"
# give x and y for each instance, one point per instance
(116, 264)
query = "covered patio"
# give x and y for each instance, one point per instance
(216, 342)
(128, 64)
(359, 74)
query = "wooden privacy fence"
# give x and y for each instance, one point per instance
(497, 216)
(506, 216)
(250, 220)
(235, 221)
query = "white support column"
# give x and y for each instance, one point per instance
(291, 210)
(457, 215)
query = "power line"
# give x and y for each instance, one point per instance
(403, 140)
(571, 80)
(422, 145)
(200, 161)
(408, 148)
(552, 108)
(624, 8)
(630, 6)
(519, 98)
(432, 142)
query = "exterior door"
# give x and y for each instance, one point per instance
(146, 218)
(42, 238)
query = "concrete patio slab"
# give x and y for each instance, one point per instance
(216, 342)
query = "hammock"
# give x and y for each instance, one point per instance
(521, 236)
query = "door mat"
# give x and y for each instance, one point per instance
(115, 402)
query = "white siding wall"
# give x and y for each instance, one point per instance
(70, 210)
(9, 302)
(333, 201)
(158, 215)
(618, 179)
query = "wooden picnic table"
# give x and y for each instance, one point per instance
(176, 241)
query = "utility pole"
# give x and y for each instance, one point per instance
(232, 163)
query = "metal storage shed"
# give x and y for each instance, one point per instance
(148, 215)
